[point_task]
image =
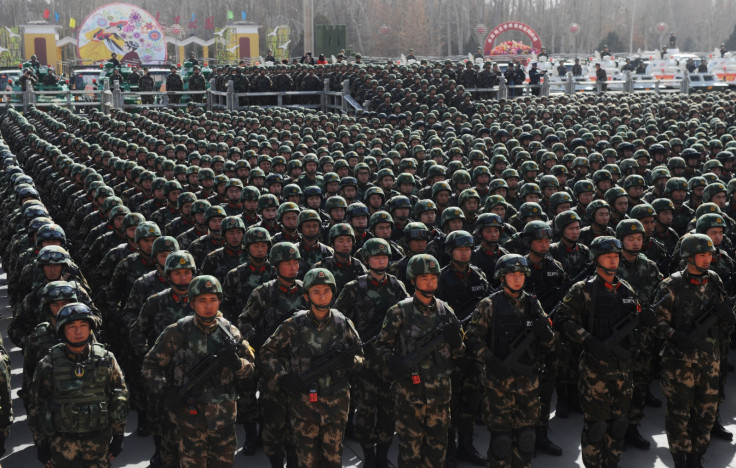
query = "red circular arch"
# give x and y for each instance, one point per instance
(511, 26)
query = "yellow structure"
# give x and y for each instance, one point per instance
(245, 37)
(40, 40)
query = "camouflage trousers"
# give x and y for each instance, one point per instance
(375, 418)
(510, 406)
(247, 401)
(691, 389)
(547, 378)
(69, 452)
(164, 432)
(466, 394)
(206, 448)
(276, 432)
(422, 430)
(605, 396)
(319, 427)
(643, 369)
(567, 367)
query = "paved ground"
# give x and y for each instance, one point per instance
(566, 433)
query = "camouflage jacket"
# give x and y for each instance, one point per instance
(130, 269)
(158, 312)
(268, 305)
(203, 246)
(573, 260)
(642, 275)
(404, 324)
(99, 247)
(103, 272)
(183, 345)
(300, 339)
(178, 226)
(312, 255)
(144, 287)
(219, 262)
(343, 273)
(186, 238)
(165, 215)
(239, 285)
(365, 302)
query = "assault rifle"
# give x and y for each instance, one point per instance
(425, 346)
(622, 329)
(336, 358)
(207, 367)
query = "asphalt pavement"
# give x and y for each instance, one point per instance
(20, 451)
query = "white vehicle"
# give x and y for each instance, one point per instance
(702, 82)
(724, 68)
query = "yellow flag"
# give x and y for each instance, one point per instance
(72, 23)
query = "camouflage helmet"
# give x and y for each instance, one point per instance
(374, 247)
(415, 231)
(594, 206)
(559, 198)
(283, 252)
(267, 200)
(53, 255)
(232, 222)
(675, 183)
(604, 245)
(451, 213)
(341, 229)
(75, 311)
(356, 210)
(164, 244)
(335, 201)
(179, 260)
(308, 215)
(693, 244)
(49, 232)
(710, 220)
(184, 198)
(205, 284)
(626, 227)
(286, 207)
(565, 219)
(641, 211)
(712, 189)
(380, 217)
(422, 264)
(120, 210)
(110, 203)
(487, 220)
(317, 276)
(200, 206)
(250, 193)
(133, 219)
(257, 234)
(662, 204)
(215, 211)
(457, 239)
(147, 229)
(530, 210)
(511, 263)
(58, 291)
(535, 230)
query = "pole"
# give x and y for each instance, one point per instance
(308, 11)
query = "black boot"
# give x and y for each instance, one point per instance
(573, 398)
(382, 455)
(635, 438)
(451, 457)
(545, 445)
(276, 461)
(155, 461)
(143, 424)
(251, 439)
(680, 459)
(466, 452)
(695, 460)
(562, 410)
(652, 400)
(369, 457)
(720, 432)
(292, 461)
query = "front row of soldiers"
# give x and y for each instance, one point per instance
(399, 358)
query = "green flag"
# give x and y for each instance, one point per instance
(230, 15)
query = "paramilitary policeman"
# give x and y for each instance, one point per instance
(510, 319)
(602, 313)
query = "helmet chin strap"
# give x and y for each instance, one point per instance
(608, 271)
(427, 294)
(699, 268)
(380, 271)
(514, 291)
(631, 251)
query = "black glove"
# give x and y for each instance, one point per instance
(116, 445)
(397, 367)
(293, 384)
(172, 401)
(44, 454)
(648, 318)
(724, 311)
(597, 348)
(453, 334)
(543, 329)
(496, 367)
(682, 341)
(232, 360)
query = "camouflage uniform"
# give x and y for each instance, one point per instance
(312, 255)
(219, 262)
(689, 377)
(6, 399)
(423, 398)
(240, 283)
(186, 238)
(84, 439)
(203, 246)
(268, 305)
(205, 423)
(365, 302)
(319, 414)
(343, 272)
(587, 313)
(510, 405)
